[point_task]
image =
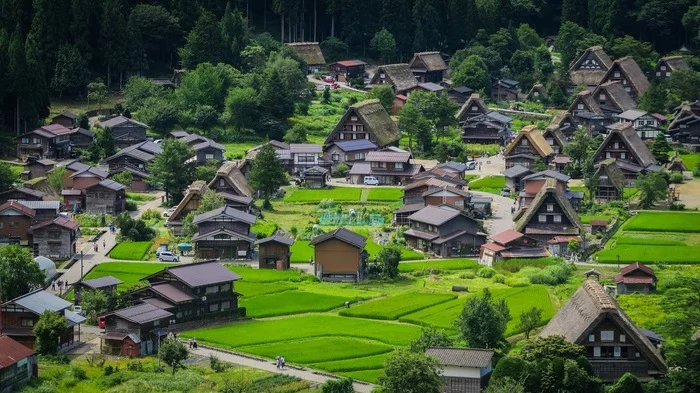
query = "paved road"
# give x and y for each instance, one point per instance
(106, 242)
(305, 374)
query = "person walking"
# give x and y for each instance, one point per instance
(278, 362)
(53, 285)
(283, 362)
(104, 244)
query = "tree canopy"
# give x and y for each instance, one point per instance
(19, 274)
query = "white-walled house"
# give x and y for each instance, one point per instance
(647, 125)
(465, 370)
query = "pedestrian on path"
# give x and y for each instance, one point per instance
(104, 243)
(283, 362)
(53, 285)
(278, 362)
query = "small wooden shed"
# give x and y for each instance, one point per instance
(273, 252)
(316, 177)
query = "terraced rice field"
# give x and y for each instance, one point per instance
(445, 264)
(291, 302)
(384, 194)
(393, 307)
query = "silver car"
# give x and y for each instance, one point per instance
(167, 256)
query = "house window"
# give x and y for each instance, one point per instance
(591, 338)
(607, 335)
(617, 75)
(616, 145)
(342, 136)
(353, 118)
(225, 287)
(523, 142)
(156, 323)
(658, 73)
(628, 89)
(624, 155)
(37, 140)
(209, 156)
(225, 305)
(617, 352)
(335, 157)
(579, 107)
(596, 352)
(27, 322)
(359, 156)
(2, 224)
(222, 182)
(622, 338)
(398, 165)
(663, 68)
(214, 307)
(557, 218)
(212, 289)
(354, 136)
(25, 140)
(607, 155)
(13, 224)
(550, 207)
(459, 203)
(542, 218)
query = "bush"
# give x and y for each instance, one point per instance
(149, 214)
(131, 205)
(108, 370)
(499, 278)
(357, 83)
(517, 282)
(134, 365)
(550, 275)
(486, 272)
(467, 276)
(696, 170)
(342, 170)
(78, 373)
(675, 206)
(676, 178)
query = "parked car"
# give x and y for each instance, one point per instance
(162, 248)
(471, 165)
(169, 212)
(371, 181)
(167, 256)
(328, 79)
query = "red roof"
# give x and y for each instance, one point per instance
(56, 129)
(19, 207)
(351, 63)
(599, 223)
(61, 220)
(561, 159)
(633, 280)
(506, 237)
(564, 239)
(493, 247)
(12, 352)
(401, 97)
(637, 266)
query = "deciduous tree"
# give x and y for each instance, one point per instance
(48, 330)
(97, 93)
(123, 177)
(389, 258)
(19, 274)
(94, 303)
(385, 95)
(242, 108)
(410, 372)
(472, 72)
(430, 337)
(210, 201)
(173, 352)
(652, 188)
(55, 178)
(267, 174)
(654, 99)
(343, 385)
(383, 43)
(483, 321)
(551, 347)
(7, 177)
(529, 320)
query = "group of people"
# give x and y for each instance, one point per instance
(192, 343)
(59, 283)
(280, 362)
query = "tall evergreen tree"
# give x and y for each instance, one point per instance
(47, 33)
(85, 27)
(16, 76)
(234, 33)
(35, 104)
(575, 11)
(71, 71)
(426, 21)
(394, 14)
(463, 23)
(113, 37)
(204, 43)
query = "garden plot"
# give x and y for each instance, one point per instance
(249, 274)
(445, 264)
(490, 184)
(393, 307)
(384, 194)
(291, 302)
(664, 222)
(130, 251)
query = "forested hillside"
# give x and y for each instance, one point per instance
(56, 47)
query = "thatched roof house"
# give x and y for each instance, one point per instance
(367, 120)
(310, 52)
(560, 217)
(589, 68)
(611, 180)
(627, 71)
(399, 76)
(625, 144)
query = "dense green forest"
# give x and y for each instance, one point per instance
(56, 47)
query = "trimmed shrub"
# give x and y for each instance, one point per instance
(499, 278)
(467, 276)
(486, 272)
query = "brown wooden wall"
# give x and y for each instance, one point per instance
(335, 256)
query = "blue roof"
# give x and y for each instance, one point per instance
(359, 144)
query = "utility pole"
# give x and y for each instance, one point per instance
(81, 265)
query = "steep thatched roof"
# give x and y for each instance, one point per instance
(676, 164)
(559, 119)
(466, 110)
(675, 63)
(230, 172)
(197, 188)
(617, 94)
(375, 118)
(590, 77)
(398, 75)
(550, 188)
(428, 61)
(589, 307)
(630, 69)
(539, 88)
(556, 134)
(610, 169)
(586, 98)
(309, 51)
(536, 140)
(633, 142)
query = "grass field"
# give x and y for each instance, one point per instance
(129, 272)
(315, 196)
(445, 264)
(319, 349)
(251, 289)
(490, 184)
(301, 252)
(384, 194)
(140, 197)
(268, 275)
(393, 307)
(690, 160)
(664, 222)
(587, 219)
(130, 251)
(650, 253)
(291, 302)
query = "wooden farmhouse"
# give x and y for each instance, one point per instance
(566, 124)
(18, 364)
(388, 166)
(514, 177)
(528, 146)
(611, 181)
(20, 315)
(627, 72)
(135, 159)
(347, 151)
(635, 278)
(273, 252)
(482, 125)
(555, 139)
(37, 168)
(316, 177)
(510, 244)
(56, 238)
(667, 65)
(15, 221)
(533, 183)
(589, 69)
(428, 67)
(80, 138)
(304, 156)
(463, 369)
(21, 193)
(614, 345)
(537, 93)
(347, 70)
(505, 90)
(550, 214)
(107, 197)
(189, 203)
(125, 131)
(443, 231)
(311, 53)
(106, 284)
(224, 233)
(135, 331)
(230, 183)
(685, 126)
(50, 141)
(66, 119)
(340, 256)
(398, 76)
(607, 100)
(366, 120)
(631, 154)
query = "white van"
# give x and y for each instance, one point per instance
(167, 256)
(371, 181)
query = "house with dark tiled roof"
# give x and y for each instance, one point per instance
(81, 138)
(611, 181)
(134, 159)
(311, 53)
(15, 221)
(106, 284)
(340, 256)
(37, 168)
(685, 126)
(304, 156)
(50, 141)
(590, 67)
(23, 193)
(274, 252)
(107, 196)
(348, 152)
(18, 364)
(443, 232)
(473, 107)
(428, 67)
(627, 72)
(667, 65)
(20, 315)
(135, 331)
(398, 76)
(528, 146)
(388, 166)
(224, 233)
(204, 148)
(315, 177)
(514, 177)
(632, 155)
(614, 344)
(635, 278)
(366, 120)
(463, 369)
(443, 173)
(533, 183)
(125, 131)
(66, 119)
(459, 94)
(505, 90)
(347, 70)
(549, 214)
(510, 244)
(482, 125)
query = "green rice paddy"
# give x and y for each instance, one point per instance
(393, 307)
(384, 194)
(301, 195)
(130, 251)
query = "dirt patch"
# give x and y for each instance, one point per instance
(690, 193)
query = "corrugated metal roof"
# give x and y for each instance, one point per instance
(359, 144)
(111, 184)
(40, 301)
(25, 190)
(342, 234)
(388, 156)
(142, 313)
(17, 206)
(160, 303)
(102, 282)
(119, 120)
(296, 148)
(462, 357)
(203, 273)
(171, 292)
(228, 211)
(40, 205)
(433, 215)
(276, 238)
(73, 318)
(12, 352)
